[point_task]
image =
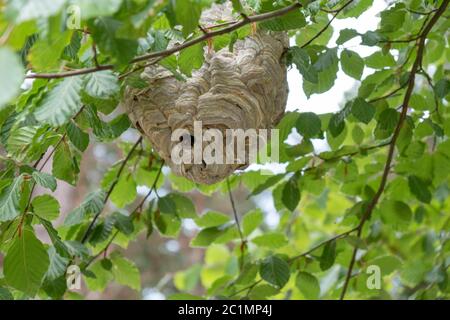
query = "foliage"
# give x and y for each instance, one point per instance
(379, 196)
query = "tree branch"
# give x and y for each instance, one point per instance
(336, 12)
(168, 52)
(238, 225)
(132, 214)
(415, 68)
(108, 194)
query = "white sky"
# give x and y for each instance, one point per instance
(329, 101)
(325, 102)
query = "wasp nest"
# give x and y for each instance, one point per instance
(243, 89)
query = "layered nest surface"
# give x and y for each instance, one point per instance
(243, 89)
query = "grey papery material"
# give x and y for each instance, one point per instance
(243, 89)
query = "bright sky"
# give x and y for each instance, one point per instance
(325, 102)
(329, 101)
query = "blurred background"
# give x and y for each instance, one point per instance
(159, 259)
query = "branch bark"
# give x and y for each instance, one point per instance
(404, 110)
(108, 194)
(168, 52)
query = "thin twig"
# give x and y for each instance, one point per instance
(411, 80)
(388, 95)
(111, 188)
(132, 214)
(304, 254)
(168, 52)
(328, 24)
(238, 225)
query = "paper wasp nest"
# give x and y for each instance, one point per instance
(243, 89)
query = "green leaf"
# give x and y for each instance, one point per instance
(20, 143)
(177, 204)
(292, 20)
(24, 10)
(93, 204)
(123, 223)
(101, 277)
(9, 200)
(26, 263)
(91, 9)
(266, 184)
(206, 237)
(45, 180)
(370, 38)
(352, 64)
(11, 76)
(187, 14)
(191, 59)
(328, 255)
(124, 192)
(104, 31)
(273, 240)
(312, 29)
(387, 121)
(45, 54)
(251, 221)
(356, 8)
(356, 242)
(125, 272)
(60, 246)
(187, 280)
(336, 124)
(345, 35)
(79, 138)
(102, 85)
(418, 187)
(212, 219)
(275, 271)
(46, 207)
(5, 294)
(168, 224)
(58, 265)
(395, 213)
(308, 124)
(308, 285)
(387, 264)
(184, 296)
(61, 103)
(357, 134)
(263, 291)
(77, 249)
(442, 88)
(362, 110)
(65, 164)
(378, 60)
(302, 61)
(291, 193)
(327, 66)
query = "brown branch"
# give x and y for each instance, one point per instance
(304, 254)
(321, 244)
(336, 12)
(422, 13)
(414, 38)
(238, 225)
(94, 50)
(111, 188)
(168, 52)
(133, 215)
(415, 68)
(387, 95)
(430, 83)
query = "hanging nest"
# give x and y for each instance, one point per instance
(243, 89)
